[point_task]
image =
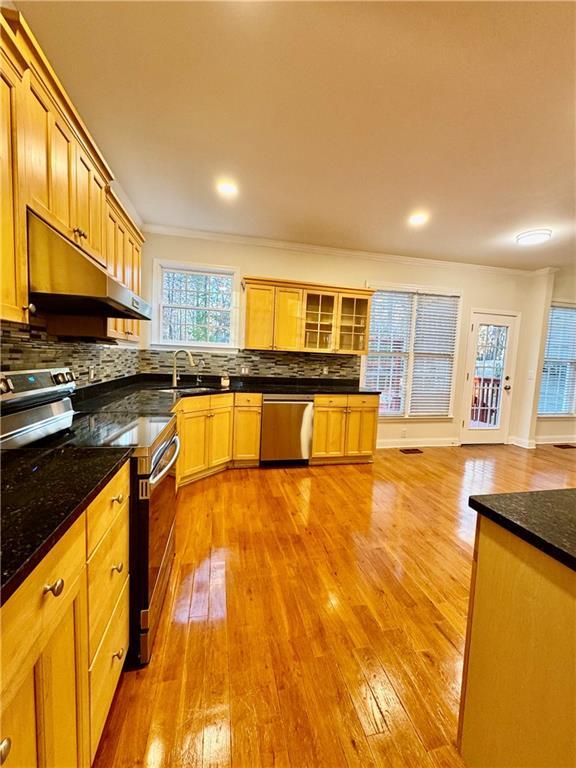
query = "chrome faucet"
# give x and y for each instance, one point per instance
(175, 374)
(201, 364)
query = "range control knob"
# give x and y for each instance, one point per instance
(4, 386)
(60, 378)
(70, 376)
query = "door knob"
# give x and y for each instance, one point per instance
(5, 747)
(56, 588)
(507, 387)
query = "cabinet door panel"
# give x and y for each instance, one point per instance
(361, 425)
(259, 317)
(97, 202)
(287, 318)
(220, 436)
(329, 432)
(56, 683)
(13, 285)
(62, 173)
(19, 724)
(38, 146)
(319, 321)
(246, 445)
(193, 431)
(83, 184)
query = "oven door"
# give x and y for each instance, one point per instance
(161, 549)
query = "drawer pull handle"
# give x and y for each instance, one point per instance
(56, 589)
(119, 567)
(119, 499)
(119, 654)
(5, 747)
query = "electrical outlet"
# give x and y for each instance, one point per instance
(403, 434)
(91, 373)
(325, 371)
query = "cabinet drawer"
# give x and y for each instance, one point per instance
(243, 398)
(30, 615)
(222, 401)
(330, 401)
(106, 667)
(190, 404)
(363, 401)
(107, 572)
(105, 507)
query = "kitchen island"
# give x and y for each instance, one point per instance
(518, 705)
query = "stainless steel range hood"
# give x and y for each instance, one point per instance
(64, 281)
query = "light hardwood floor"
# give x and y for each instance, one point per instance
(316, 616)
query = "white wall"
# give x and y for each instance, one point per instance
(559, 429)
(480, 287)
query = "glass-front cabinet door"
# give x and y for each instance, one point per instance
(319, 321)
(353, 323)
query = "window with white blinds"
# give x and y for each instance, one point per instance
(558, 385)
(411, 352)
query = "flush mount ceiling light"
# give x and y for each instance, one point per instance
(227, 188)
(418, 218)
(534, 236)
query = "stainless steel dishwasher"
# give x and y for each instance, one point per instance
(286, 427)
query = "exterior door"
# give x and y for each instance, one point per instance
(489, 385)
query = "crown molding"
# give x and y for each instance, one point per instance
(325, 250)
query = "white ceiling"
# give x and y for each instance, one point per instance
(336, 119)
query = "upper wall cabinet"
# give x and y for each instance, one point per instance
(284, 315)
(50, 164)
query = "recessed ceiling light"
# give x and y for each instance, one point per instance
(418, 218)
(534, 236)
(227, 188)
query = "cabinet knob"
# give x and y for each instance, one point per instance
(119, 654)
(119, 498)
(56, 588)
(118, 567)
(5, 747)
(30, 308)
(76, 230)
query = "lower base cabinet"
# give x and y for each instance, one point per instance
(247, 428)
(53, 703)
(205, 427)
(345, 428)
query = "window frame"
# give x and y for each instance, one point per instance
(572, 413)
(185, 266)
(410, 354)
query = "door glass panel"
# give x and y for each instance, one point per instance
(486, 403)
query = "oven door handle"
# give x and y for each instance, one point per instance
(156, 479)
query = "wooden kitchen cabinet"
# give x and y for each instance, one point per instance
(205, 430)
(89, 217)
(247, 428)
(259, 332)
(291, 316)
(345, 428)
(51, 164)
(14, 263)
(44, 660)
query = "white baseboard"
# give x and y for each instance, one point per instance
(521, 442)
(430, 442)
(553, 439)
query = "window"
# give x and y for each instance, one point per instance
(196, 307)
(411, 352)
(558, 386)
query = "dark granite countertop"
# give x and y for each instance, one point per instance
(545, 519)
(43, 493)
(142, 394)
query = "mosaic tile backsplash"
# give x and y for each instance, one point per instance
(25, 347)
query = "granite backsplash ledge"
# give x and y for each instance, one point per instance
(25, 347)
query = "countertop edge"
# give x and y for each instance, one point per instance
(547, 547)
(17, 578)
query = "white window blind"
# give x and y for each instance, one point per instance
(411, 352)
(196, 307)
(558, 386)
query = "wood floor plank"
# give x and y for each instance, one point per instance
(316, 615)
